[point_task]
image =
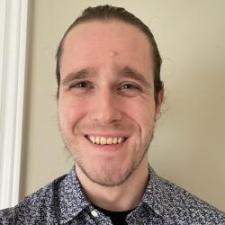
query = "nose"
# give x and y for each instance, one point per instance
(106, 108)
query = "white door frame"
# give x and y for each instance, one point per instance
(13, 32)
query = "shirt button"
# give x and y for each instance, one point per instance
(94, 213)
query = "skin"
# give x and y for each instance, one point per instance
(107, 90)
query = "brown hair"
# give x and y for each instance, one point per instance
(107, 12)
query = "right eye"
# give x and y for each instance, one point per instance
(81, 85)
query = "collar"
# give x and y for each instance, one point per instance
(155, 196)
(71, 198)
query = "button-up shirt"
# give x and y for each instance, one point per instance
(63, 202)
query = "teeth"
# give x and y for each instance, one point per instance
(103, 141)
(106, 140)
(97, 140)
(92, 139)
(120, 140)
(114, 140)
(109, 141)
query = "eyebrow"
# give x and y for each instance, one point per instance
(78, 75)
(128, 72)
(125, 72)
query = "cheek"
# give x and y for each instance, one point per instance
(70, 112)
(143, 113)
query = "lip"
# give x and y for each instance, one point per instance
(108, 134)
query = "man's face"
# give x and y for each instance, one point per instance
(106, 102)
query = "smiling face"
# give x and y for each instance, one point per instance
(106, 102)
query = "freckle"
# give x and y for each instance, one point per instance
(113, 53)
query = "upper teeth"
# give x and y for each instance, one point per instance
(106, 140)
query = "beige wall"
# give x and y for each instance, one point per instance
(189, 144)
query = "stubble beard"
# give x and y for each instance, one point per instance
(106, 180)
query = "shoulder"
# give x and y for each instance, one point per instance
(180, 205)
(34, 207)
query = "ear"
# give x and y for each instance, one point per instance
(160, 99)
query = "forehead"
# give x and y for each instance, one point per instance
(99, 42)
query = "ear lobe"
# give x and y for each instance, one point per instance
(160, 99)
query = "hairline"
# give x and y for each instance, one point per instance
(103, 20)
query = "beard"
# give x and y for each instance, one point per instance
(108, 173)
(107, 176)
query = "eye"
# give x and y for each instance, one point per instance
(81, 85)
(129, 87)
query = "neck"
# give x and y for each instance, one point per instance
(119, 198)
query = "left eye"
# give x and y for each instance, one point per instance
(130, 89)
(129, 86)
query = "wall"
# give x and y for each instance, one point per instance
(189, 144)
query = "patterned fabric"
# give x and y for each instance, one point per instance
(63, 202)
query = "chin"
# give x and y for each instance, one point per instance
(107, 175)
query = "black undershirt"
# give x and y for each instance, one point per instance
(117, 218)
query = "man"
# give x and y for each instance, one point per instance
(109, 98)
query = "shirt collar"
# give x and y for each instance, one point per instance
(71, 199)
(154, 194)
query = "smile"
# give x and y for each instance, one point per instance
(105, 140)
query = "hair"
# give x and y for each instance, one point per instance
(108, 12)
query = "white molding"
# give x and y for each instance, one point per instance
(13, 32)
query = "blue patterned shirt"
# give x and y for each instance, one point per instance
(63, 202)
